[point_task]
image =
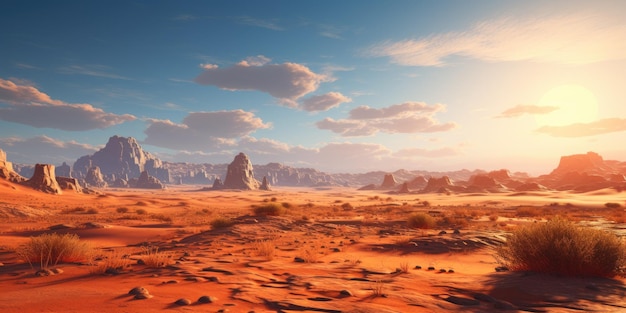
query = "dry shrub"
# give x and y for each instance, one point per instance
(528, 212)
(612, 205)
(421, 220)
(50, 249)
(141, 211)
(122, 210)
(111, 260)
(347, 206)
(162, 217)
(265, 249)
(561, 247)
(310, 254)
(152, 257)
(493, 217)
(221, 222)
(271, 209)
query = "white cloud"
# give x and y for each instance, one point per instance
(599, 127)
(522, 109)
(409, 117)
(324, 102)
(203, 131)
(287, 81)
(565, 39)
(29, 106)
(95, 70)
(43, 149)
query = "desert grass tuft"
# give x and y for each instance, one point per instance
(154, 258)
(265, 249)
(421, 220)
(221, 222)
(116, 260)
(50, 249)
(270, 209)
(564, 248)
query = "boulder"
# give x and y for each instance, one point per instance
(6, 170)
(44, 179)
(146, 181)
(240, 174)
(388, 182)
(94, 178)
(265, 185)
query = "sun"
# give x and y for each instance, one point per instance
(574, 103)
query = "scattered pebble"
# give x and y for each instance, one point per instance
(443, 232)
(417, 267)
(183, 301)
(502, 269)
(298, 260)
(207, 299)
(345, 293)
(431, 268)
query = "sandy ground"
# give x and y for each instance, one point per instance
(334, 250)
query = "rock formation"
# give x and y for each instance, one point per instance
(240, 174)
(44, 179)
(69, 183)
(63, 170)
(404, 188)
(581, 163)
(388, 182)
(417, 183)
(438, 184)
(94, 178)
(6, 170)
(500, 175)
(123, 158)
(145, 181)
(265, 185)
(217, 183)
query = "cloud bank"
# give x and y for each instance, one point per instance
(599, 127)
(408, 118)
(565, 39)
(324, 102)
(523, 109)
(203, 131)
(287, 81)
(29, 106)
(31, 150)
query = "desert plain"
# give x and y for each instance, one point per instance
(331, 249)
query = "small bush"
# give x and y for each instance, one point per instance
(111, 260)
(221, 222)
(122, 210)
(51, 249)
(561, 247)
(92, 211)
(421, 220)
(271, 209)
(152, 257)
(287, 205)
(347, 206)
(141, 211)
(612, 205)
(265, 249)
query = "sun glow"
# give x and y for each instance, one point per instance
(575, 104)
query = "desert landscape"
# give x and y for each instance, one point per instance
(243, 246)
(357, 156)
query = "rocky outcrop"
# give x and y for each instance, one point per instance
(44, 179)
(404, 188)
(63, 170)
(418, 183)
(438, 184)
(69, 183)
(121, 157)
(94, 178)
(580, 163)
(265, 185)
(146, 181)
(217, 183)
(388, 182)
(500, 175)
(6, 170)
(240, 174)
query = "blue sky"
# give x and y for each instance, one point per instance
(341, 86)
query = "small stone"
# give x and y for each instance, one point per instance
(336, 250)
(142, 296)
(502, 269)
(298, 260)
(207, 299)
(450, 271)
(173, 281)
(141, 262)
(417, 267)
(442, 270)
(431, 268)
(182, 301)
(44, 272)
(456, 232)
(57, 271)
(345, 293)
(443, 232)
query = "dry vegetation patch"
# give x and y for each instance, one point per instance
(562, 247)
(51, 249)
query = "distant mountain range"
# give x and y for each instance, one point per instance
(124, 159)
